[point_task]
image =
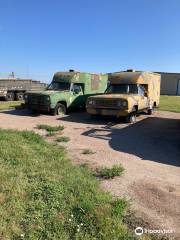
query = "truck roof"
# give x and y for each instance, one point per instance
(59, 76)
(136, 77)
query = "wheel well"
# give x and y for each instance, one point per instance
(64, 103)
(136, 108)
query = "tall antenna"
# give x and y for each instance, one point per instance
(12, 74)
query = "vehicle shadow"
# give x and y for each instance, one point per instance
(20, 112)
(155, 139)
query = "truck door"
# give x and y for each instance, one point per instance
(143, 103)
(77, 96)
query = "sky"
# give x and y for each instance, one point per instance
(41, 37)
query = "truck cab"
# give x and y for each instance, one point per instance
(67, 90)
(127, 94)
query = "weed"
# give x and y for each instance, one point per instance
(63, 139)
(88, 151)
(108, 173)
(50, 134)
(50, 128)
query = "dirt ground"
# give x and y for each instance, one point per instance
(149, 150)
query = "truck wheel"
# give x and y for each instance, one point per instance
(9, 96)
(60, 109)
(150, 111)
(131, 118)
(19, 96)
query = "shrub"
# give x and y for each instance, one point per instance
(88, 151)
(50, 128)
(108, 173)
(63, 139)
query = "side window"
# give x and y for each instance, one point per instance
(141, 90)
(76, 88)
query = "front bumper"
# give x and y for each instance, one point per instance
(38, 107)
(108, 112)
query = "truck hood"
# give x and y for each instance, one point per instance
(45, 93)
(115, 96)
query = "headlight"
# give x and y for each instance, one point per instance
(91, 102)
(124, 103)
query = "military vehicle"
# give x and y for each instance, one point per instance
(13, 88)
(128, 93)
(67, 90)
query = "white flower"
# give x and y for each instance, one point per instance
(78, 230)
(72, 215)
(81, 224)
(69, 219)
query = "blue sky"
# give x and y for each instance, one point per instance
(40, 37)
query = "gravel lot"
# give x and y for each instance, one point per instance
(149, 151)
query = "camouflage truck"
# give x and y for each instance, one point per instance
(128, 93)
(67, 90)
(13, 88)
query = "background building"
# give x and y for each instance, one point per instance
(170, 83)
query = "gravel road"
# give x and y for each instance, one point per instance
(149, 150)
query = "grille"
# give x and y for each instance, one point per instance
(39, 100)
(106, 103)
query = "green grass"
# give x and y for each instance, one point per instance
(51, 134)
(169, 103)
(108, 173)
(88, 151)
(10, 104)
(50, 128)
(44, 196)
(63, 139)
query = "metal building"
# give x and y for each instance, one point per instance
(170, 83)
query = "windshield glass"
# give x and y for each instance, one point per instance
(60, 86)
(122, 88)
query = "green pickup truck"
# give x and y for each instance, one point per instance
(67, 90)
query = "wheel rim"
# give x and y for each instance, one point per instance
(133, 118)
(60, 111)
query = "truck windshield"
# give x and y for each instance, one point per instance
(122, 88)
(60, 86)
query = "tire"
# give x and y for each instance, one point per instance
(150, 111)
(10, 96)
(131, 118)
(19, 96)
(60, 109)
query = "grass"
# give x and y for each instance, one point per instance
(51, 134)
(44, 196)
(50, 128)
(63, 139)
(88, 151)
(5, 105)
(109, 173)
(169, 103)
